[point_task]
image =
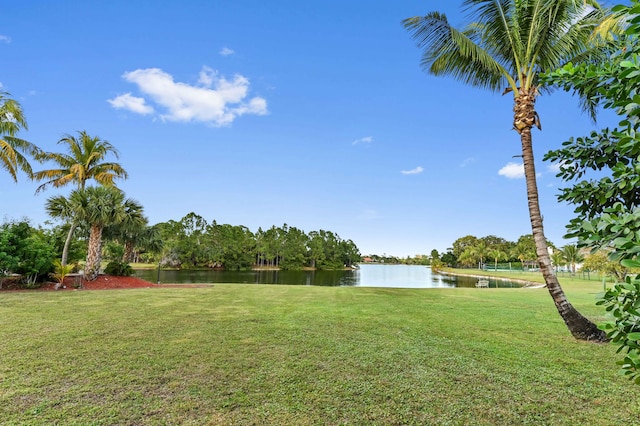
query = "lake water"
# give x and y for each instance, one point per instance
(391, 276)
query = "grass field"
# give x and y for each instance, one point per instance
(295, 355)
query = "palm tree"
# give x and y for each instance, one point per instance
(97, 207)
(84, 161)
(480, 250)
(522, 253)
(504, 49)
(571, 254)
(557, 258)
(130, 229)
(13, 149)
(496, 255)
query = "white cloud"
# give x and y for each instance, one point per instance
(512, 171)
(415, 171)
(214, 100)
(225, 51)
(366, 139)
(5, 39)
(131, 103)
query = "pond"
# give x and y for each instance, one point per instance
(396, 276)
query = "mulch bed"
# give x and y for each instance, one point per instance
(103, 282)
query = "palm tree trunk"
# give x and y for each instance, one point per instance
(94, 255)
(579, 326)
(67, 244)
(127, 256)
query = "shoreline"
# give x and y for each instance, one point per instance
(527, 284)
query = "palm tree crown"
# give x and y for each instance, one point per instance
(84, 161)
(12, 149)
(508, 42)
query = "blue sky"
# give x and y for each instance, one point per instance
(315, 114)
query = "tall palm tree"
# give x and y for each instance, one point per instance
(505, 48)
(84, 161)
(97, 207)
(13, 149)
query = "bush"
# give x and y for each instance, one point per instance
(118, 269)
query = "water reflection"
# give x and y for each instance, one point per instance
(389, 276)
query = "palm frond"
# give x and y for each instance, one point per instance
(447, 51)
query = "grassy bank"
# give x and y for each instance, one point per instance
(253, 354)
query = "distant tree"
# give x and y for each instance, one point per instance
(571, 254)
(496, 255)
(13, 150)
(435, 255)
(480, 250)
(600, 262)
(558, 259)
(461, 244)
(523, 252)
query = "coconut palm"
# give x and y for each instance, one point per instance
(504, 49)
(13, 149)
(97, 207)
(496, 255)
(480, 251)
(522, 253)
(84, 161)
(571, 254)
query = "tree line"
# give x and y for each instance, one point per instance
(192, 242)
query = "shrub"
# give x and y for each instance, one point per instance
(118, 269)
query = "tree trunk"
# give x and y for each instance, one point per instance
(94, 255)
(127, 256)
(579, 326)
(67, 244)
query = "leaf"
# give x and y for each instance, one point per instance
(630, 263)
(634, 336)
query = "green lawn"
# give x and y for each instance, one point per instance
(295, 355)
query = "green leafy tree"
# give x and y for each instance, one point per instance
(13, 150)
(294, 250)
(26, 251)
(600, 262)
(83, 161)
(504, 49)
(461, 244)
